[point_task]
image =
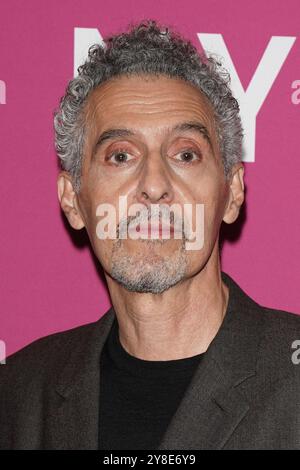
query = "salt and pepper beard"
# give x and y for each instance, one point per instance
(145, 271)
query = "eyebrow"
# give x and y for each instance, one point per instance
(195, 126)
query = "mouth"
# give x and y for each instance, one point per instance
(158, 230)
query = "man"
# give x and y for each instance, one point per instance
(184, 359)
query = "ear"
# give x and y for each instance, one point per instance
(68, 200)
(236, 194)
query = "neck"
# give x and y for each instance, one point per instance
(179, 323)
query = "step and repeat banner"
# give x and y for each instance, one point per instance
(49, 279)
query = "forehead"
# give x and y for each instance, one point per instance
(148, 100)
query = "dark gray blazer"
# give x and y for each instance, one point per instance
(244, 395)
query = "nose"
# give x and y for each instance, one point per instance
(154, 185)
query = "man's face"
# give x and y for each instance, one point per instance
(151, 163)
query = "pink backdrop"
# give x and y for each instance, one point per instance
(49, 278)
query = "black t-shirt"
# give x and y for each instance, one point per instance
(138, 397)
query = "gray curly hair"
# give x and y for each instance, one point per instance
(146, 49)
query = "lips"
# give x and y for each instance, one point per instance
(156, 229)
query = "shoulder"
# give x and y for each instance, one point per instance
(279, 352)
(281, 323)
(52, 343)
(271, 335)
(44, 357)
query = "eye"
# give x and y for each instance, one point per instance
(120, 156)
(189, 155)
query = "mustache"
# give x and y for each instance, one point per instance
(163, 216)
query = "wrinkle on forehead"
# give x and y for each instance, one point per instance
(144, 92)
(160, 99)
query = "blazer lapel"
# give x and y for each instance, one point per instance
(73, 422)
(213, 405)
(208, 414)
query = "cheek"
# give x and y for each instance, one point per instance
(214, 208)
(89, 205)
(103, 250)
(212, 199)
(108, 215)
